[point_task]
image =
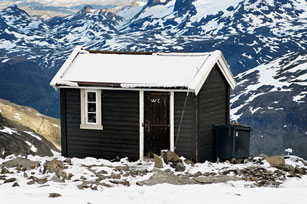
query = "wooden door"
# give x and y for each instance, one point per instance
(156, 122)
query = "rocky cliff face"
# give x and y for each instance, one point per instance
(23, 131)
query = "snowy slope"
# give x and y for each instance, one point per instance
(272, 98)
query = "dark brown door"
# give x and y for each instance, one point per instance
(156, 123)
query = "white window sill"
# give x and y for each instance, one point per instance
(91, 126)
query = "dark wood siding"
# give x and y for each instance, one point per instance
(212, 109)
(185, 141)
(120, 120)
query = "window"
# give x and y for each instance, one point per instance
(90, 109)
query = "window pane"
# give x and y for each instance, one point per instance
(91, 107)
(91, 96)
(91, 117)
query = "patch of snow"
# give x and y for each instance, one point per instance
(254, 110)
(55, 125)
(5, 60)
(8, 130)
(33, 135)
(33, 148)
(55, 153)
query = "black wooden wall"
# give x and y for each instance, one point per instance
(120, 120)
(185, 141)
(213, 108)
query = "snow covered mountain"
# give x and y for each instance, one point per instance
(272, 98)
(250, 33)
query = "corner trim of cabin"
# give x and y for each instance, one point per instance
(63, 122)
(228, 105)
(172, 121)
(195, 127)
(141, 116)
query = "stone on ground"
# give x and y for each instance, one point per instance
(158, 161)
(276, 160)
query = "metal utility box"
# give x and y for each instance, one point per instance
(232, 141)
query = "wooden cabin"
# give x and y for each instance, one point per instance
(132, 105)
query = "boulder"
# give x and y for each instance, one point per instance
(180, 167)
(15, 184)
(53, 166)
(276, 160)
(20, 163)
(158, 161)
(169, 156)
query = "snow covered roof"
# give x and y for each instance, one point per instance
(130, 70)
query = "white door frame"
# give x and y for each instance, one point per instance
(141, 124)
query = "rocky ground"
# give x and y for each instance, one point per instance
(97, 174)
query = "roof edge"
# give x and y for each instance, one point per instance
(62, 70)
(215, 57)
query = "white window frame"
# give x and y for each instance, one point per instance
(84, 111)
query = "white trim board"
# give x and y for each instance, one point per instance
(124, 89)
(172, 121)
(141, 127)
(141, 123)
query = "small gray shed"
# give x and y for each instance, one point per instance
(132, 104)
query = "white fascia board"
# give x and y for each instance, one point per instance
(215, 57)
(221, 62)
(57, 78)
(203, 73)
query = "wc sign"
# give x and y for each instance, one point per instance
(155, 100)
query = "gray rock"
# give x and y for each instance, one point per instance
(10, 180)
(122, 168)
(169, 156)
(31, 182)
(158, 161)
(15, 184)
(42, 180)
(180, 167)
(84, 184)
(54, 195)
(165, 177)
(53, 166)
(4, 170)
(216, 179)
(56, 179)
(189, 162)
(124, 182)
(197, 174)
(114, 176)
(276, 160)
(20, 163)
